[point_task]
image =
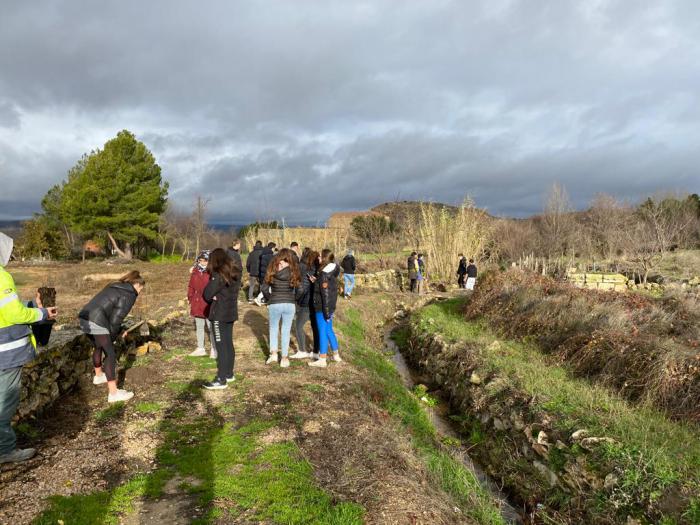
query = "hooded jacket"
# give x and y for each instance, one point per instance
(195, 293)
(280, 290)
(266, 256)
(307, 289)
(471, 270)
(252, 263)
(235, 256)
(17, 344)
(348, 264)
(110, 307)
(326, 290)
(222, 298)
(462, 268)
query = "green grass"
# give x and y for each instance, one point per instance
(113, 411)
(164, 259)
(236, 473)
(448, 473)
(148, 407)
(654, 451)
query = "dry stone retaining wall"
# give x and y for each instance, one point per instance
(598, 281)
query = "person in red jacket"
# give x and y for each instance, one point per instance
(199, 308)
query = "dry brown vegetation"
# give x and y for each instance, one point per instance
(646, 349)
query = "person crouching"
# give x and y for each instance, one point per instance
(101, 319)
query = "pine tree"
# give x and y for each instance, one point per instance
(116, 193)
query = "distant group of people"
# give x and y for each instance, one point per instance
(416, 272)
(298, 287)
(466, 273)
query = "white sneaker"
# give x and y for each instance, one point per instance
(301, 355)
(119, 395)
(213, 354)
(99, 380)
(199, 352)
(320, 363)
(230, 379)
(336, 357)
(284, 363)
(272, 358)
(315, 355)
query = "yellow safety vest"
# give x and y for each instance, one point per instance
(17, 343)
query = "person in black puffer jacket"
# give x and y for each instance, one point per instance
(102, 319)
(325, 297)
(307, 268)
(252, 266)
(222, 295)
(282, 287)
(265, 257)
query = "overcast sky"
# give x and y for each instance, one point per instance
(298, 108)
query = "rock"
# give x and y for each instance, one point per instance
(181, 303)
(579, 434)
(498, 424)
(496, 345)
(541, 450)
(475, 379)
(542, 438)
(548, 474)
(610, 482)
(591, 442)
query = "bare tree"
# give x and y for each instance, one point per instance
(198, 221)
(657, 226)
(557, 222)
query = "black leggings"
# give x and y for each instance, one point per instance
(225, 353)
(103, 344)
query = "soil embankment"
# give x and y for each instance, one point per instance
(569, 451)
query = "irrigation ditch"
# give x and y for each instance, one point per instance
(544, 461)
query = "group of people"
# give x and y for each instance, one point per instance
(416, 272)
(298, 287)
(466, 273)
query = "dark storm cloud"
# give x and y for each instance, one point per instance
(296, 109)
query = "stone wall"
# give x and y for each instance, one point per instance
(598, 281)
(385, 280)
(60, 365)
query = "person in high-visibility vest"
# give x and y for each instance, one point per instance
(17, 347)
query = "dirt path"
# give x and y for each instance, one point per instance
(356, 449)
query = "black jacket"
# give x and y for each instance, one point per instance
(252, 263)
(411, 265)
(235, 257)
(265, 257)
(326, 290)
(223, 298)
(348, 264)
(280, 290)
(109, 307)
(471, 270)
(462, 268)
(307, 288)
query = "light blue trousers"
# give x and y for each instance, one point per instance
(283, 312)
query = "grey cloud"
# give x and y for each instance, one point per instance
(295, 109)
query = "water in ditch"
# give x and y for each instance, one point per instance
(445, 428)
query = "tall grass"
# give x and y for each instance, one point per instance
(443, 235)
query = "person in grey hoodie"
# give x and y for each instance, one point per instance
(17, 347)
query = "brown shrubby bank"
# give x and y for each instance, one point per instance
(646, 349)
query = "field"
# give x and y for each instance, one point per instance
(282, 446)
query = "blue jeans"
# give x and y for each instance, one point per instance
(326, 335)
(284, 312)
(9, 400)
(349, 280)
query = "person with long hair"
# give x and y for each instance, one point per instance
(222, 295)
(307, 268)
(101, 319)
(325, 298)
(281, 287)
